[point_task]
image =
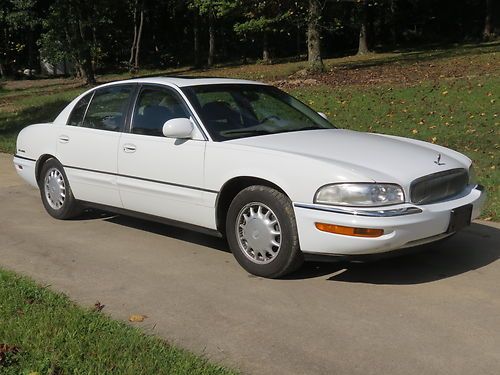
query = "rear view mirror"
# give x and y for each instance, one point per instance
(178, 128)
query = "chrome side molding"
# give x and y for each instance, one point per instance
(362, 212)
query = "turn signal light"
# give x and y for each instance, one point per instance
(349, 231)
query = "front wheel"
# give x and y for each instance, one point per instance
(56, 194)
(262, 232)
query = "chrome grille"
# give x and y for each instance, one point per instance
(438, 186)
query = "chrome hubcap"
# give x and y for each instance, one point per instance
(55, 188)
(259, 233)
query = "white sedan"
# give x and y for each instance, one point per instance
(246, 161)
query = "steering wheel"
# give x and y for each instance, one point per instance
(267, 118)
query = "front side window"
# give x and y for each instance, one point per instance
(155, 106)
(235, 111)
(108, 108)
(76, 117)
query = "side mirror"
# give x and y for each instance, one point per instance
(178, 128)
(323, 115)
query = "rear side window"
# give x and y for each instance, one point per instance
(108, 108)
(76, 117)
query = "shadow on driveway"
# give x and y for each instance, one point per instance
(468, 250)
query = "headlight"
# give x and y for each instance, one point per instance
(360, 194)
(472, 176)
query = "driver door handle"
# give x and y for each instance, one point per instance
(128, 147)
(63, 139)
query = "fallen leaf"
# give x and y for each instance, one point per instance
(98, 306)
(414, 131)
(445, 93)
(137, 318)
(6, 351)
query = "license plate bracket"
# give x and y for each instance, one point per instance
(460, 217)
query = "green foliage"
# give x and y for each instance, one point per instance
(263, 16)
(22, 15)
(216, 8)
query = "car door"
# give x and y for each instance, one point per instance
(157, 175)
(87, 146)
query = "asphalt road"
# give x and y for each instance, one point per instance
(436, 312)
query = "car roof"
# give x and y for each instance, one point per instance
(185, 81)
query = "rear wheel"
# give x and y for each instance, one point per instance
(262, 232)
(55, 191)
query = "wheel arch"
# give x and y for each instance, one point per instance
(230, 189)
(39, 164)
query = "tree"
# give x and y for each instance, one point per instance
(264, 18)
(314, 37)
(488, 21)
(196, 40)
(364, 28)
(78, 30)
(138, 8)
(19, 20)
(69, 35)
(213, 9)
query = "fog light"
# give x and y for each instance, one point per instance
(349, 231)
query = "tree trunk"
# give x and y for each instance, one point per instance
(488, 21)
(314, 38)
(84, 54)
(298, 41)
(265, 48)
(211, 39)
(31, 62)
(196, 40)
(134, 41)
(363, 31)
(139, 35)
(394, 28)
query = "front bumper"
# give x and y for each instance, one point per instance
(404, 226)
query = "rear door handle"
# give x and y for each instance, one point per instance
(63, 139)
(129, 147)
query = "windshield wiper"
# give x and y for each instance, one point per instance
(245, 131)
(306, 128)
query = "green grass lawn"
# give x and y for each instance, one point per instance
(45, 333)
(449, 96)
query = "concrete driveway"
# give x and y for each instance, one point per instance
(430, 313)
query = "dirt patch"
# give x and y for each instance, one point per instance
(411, 73)
(405, 72)
(28, 84)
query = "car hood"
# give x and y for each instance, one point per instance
(378, 157)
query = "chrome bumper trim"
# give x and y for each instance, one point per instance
(361, 212)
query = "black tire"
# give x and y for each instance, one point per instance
(69, 207)
(288, 256)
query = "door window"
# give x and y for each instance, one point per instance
(76, 117)
(154, 107)
(108, 108)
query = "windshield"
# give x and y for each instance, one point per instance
(245, 110)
